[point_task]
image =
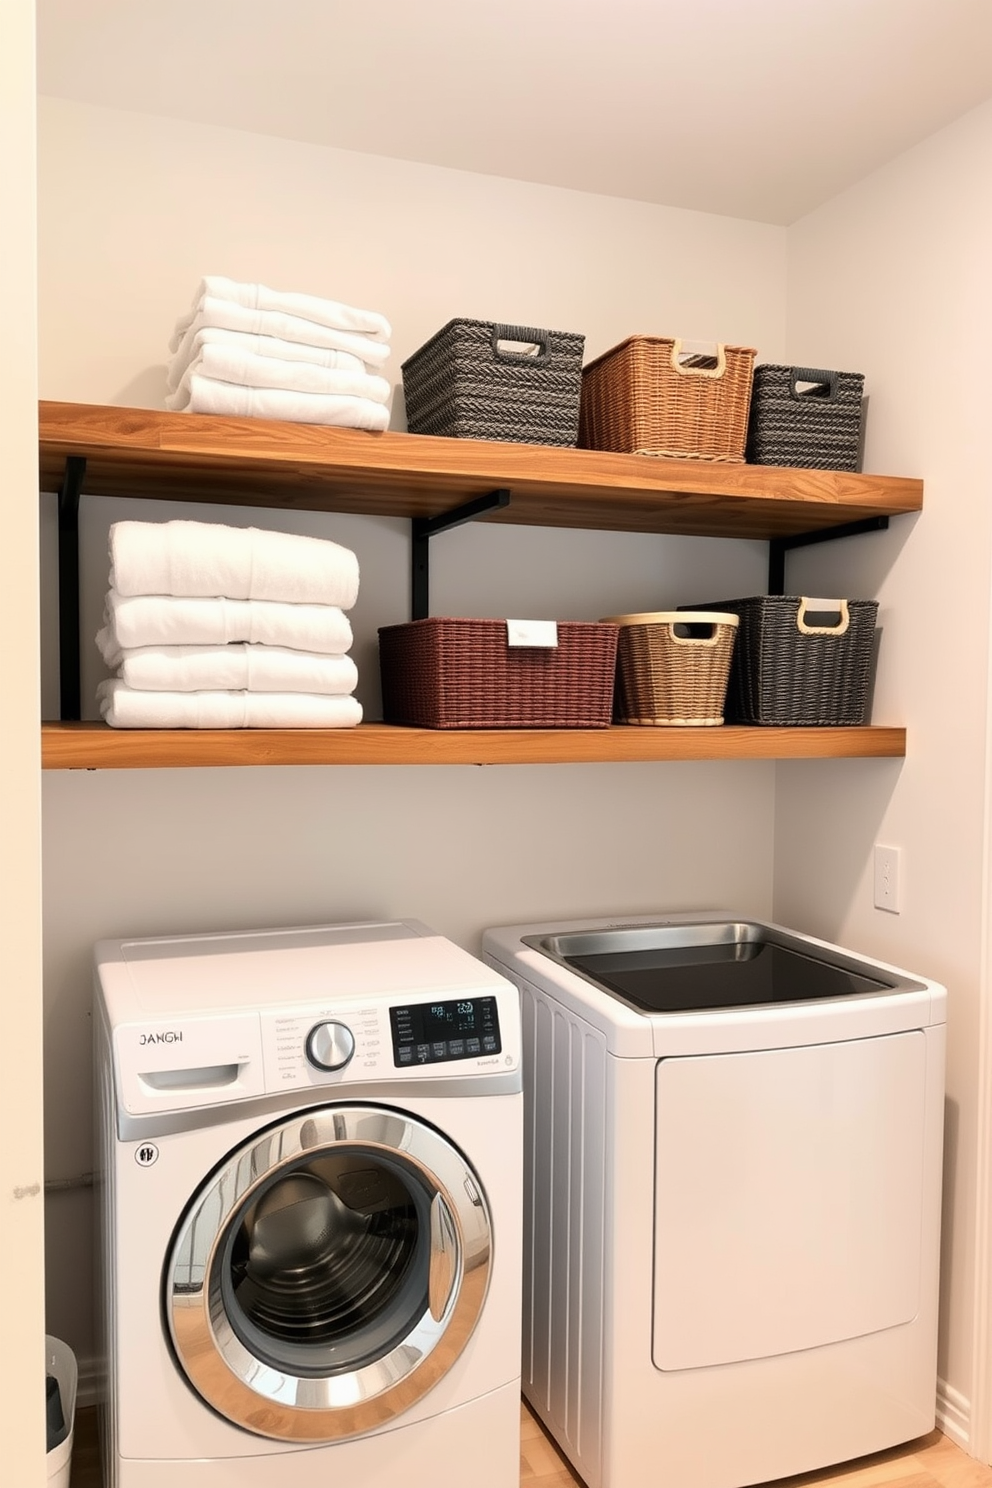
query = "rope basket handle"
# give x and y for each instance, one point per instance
(711, 372)
(820, 606)
(526, 334)
(816, 375)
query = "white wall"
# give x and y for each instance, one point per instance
(22, 1357)
(133, 210)
(892, 279)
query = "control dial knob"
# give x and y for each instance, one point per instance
(330, 1045)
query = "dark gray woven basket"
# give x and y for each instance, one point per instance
(459, 674)
(781, 675)
(466, 382)
(801, 416)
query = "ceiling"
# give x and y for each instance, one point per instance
(759, 109)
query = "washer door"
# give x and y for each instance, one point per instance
(329, 1273)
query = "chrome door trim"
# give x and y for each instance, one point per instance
(271, 1402)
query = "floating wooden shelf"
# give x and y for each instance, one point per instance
(194, 458)
(256, 462)
(94, 746)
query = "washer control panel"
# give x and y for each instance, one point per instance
(436, 1032)
(341, 1042)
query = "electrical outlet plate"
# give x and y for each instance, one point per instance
(888, 872)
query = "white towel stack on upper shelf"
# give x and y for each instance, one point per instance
(216, 627)
(253, 352)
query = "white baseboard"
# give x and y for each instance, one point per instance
(954, 1415)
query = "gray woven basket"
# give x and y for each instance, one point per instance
(472, 380)
(800, 661)
(801, 416)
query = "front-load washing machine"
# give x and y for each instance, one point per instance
(311, 1172)
(732, 1196)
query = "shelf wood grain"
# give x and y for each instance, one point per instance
(258, 462)
(94, 746)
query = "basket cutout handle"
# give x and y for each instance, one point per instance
(526, 344)
(701, 627)
(699, 364)
(818, 384)
(836, 607)
(690, 633)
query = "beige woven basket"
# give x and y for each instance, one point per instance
(647, 397)
(672, 667)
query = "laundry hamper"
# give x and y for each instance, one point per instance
(800, 661)
(673, 666)
(454, 673)
(802, 416)
(62, 1371)
(476, 379)
(646, 396)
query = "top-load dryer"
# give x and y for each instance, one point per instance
(732, 1197)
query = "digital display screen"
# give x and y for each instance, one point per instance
(435, 1032)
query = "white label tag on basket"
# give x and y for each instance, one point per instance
(531, 632)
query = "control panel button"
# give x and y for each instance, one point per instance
(330, 1045)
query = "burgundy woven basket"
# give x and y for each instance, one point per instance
(452, 673)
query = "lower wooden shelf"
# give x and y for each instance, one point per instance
(94, 746)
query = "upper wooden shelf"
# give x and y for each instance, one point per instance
(256, 462)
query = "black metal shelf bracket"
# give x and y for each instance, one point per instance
(70, 698)
(779, 546)
(424, 528)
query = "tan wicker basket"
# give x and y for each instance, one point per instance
(673, 666)
(646, 397)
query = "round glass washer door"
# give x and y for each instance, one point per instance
(329, 1273)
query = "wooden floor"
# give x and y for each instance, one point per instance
(931, 1462)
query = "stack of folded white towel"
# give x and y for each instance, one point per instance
(253, 352)
(215, 627)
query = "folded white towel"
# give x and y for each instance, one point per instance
(238, 668)
(309, 307)
(232, 400)
(261, 346)
(126, 707)
(225, 364)
(225, 316)
(203, 559)
(133, 621)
